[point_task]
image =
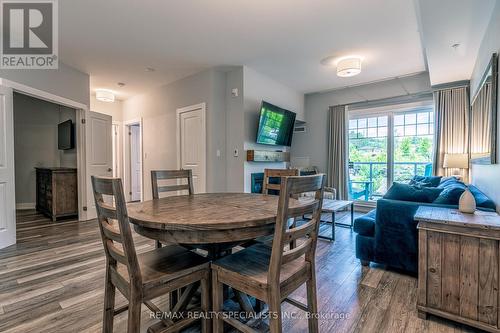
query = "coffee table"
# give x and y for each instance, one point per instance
(333, 206)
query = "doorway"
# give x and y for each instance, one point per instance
(45, 155)
(133, 161)
(191, 143)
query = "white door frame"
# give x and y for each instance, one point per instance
(117, 170)
(126, 157)
(81, 110)
(203, 107)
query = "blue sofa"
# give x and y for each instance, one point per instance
(388, 234)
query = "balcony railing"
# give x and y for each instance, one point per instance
(368, 180)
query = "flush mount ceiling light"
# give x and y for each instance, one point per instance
(348, 67)
(104, 95)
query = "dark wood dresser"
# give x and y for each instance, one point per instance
(56, 192)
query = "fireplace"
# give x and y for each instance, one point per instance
(258, 180)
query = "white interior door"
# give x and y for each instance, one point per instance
(99, 152)
(135, 162)
(7, 184)
(191, 145)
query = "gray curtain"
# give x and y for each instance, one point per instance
(480, 134)
(337, 150)
(452, 127)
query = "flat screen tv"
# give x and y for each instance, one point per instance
(275, 125)
(65, 135)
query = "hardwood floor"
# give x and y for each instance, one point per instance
(53, 281)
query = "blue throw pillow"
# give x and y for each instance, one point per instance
(405, 192)
(481, 199)
(429, 181)
(451, 194)
(447, 181)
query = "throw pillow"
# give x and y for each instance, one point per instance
(481, 199)
(415, 193)
(451, 194)
(429, 181)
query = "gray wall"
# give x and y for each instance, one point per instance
(158, 111)
(65, 82)
(231, 121)
(235, 131)
(313, 143)
(258, 87)
(489, 45)
(35, 142)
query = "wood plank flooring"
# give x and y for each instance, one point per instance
(52, 281)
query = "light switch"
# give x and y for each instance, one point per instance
(235, 154)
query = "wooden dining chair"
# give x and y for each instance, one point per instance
(275, 173)
(142, 277)
(272, 274)
(158, 176)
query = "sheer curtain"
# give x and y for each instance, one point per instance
(452, 127)
(337, 150)
(480, 141)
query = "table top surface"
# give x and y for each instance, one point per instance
(209, 211)
(334, 205)
(451, 216)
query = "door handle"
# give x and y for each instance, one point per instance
(110, 169)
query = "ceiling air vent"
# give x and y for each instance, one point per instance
(300, 129)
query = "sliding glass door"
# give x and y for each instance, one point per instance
(393, 145)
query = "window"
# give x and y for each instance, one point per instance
(386, 147)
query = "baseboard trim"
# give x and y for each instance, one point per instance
(25, 206)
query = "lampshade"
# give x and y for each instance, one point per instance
(349, 67)
(459, 161)
(104, 95)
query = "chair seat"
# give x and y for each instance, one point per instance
(251, 266)
(166, 264)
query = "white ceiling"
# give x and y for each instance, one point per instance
(446, 22)
(115, 40)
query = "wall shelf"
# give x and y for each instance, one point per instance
(267, 156)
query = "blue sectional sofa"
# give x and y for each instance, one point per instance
(388, 234)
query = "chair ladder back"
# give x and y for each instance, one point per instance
(292, 187)
(276, 173)
(124, 253)
(157, 175)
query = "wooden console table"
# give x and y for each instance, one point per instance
(459, 262)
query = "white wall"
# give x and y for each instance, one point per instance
(35, 143)
(313, 143)
(489, 45)
(256, 88)
(65, 82)
(158, 108)
(115, 109)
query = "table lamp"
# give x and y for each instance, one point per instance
(456, 161)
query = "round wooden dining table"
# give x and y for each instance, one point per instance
(210, 218)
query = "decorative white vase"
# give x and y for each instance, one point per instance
(467, 203)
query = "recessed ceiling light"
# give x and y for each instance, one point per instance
(455, 46)
(150, 69)
(104, 95)
(348, 67)
(121, 84)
